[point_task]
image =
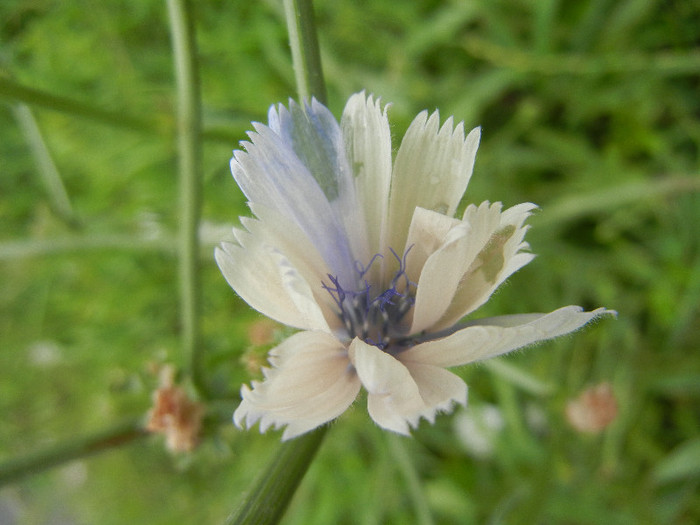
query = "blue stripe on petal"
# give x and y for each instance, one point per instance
(315, 135)
(270, 173)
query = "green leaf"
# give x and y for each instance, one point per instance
(683, 463)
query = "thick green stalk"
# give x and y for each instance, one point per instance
(120, 434)
(189, 144)
(268, 499)
(305, 51)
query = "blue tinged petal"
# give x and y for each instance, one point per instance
(270, 173)
(315, 136)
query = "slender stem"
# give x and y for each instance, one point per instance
(189, 142)
(50, 177)
(305, 51)
(120, 434)
(157, 123)
(218, 412)
(397, 448)
(518, 377)
(268, 499)
(89, 242)
(35, 97)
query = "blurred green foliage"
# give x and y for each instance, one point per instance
(589, 109)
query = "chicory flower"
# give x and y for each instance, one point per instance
(365, 257)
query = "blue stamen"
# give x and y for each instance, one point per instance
(363, 270)
(337, 293)
(374, 318)
(401, 272)
(385, 297)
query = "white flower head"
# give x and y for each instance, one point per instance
(368, 261)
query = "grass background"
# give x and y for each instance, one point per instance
(589, 109)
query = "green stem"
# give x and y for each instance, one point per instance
(518, 377)
(90, 242)
(157, 124)
(11, 89)
(120, 434)
(268, 499)
(218, 412)
(305, 51)
(189, 142)
(397, 449)
(50, 177)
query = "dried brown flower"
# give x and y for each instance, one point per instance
(175, 415)
(262, 332)
(593, 410)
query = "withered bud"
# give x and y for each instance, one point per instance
(262, 332)
(174, 414)
(593, 410)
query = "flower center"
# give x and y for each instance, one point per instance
(370, 313)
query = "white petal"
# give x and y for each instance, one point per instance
(368, 144)
(495, 244)
(267, 281)
(426, 235)
(440, 277)
(497, 336)
(431, 170)
(290, 241)
(460, 263)
(439, 388)
(310, 382)
(393, 399)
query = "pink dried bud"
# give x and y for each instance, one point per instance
(593, 410)
(253, 361)
(262, 332)
(175, 415)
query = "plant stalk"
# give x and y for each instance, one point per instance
(306, 56)
(273, 490)
(120, 434)
(269, 497)
(189, 145)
